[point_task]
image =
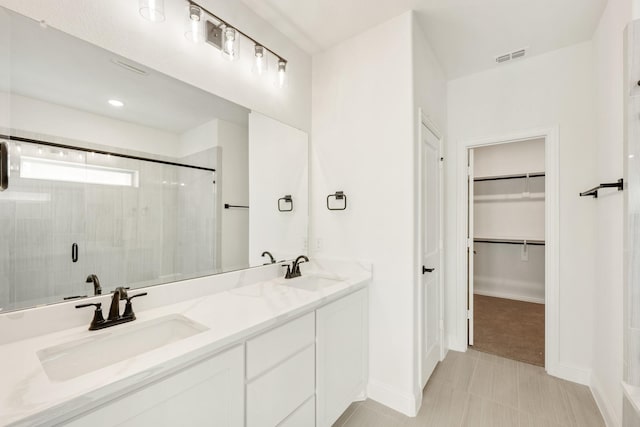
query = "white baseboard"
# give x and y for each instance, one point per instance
(454, 344)
(405, 403)
(571, 373)
(497, 294)
(604, 404)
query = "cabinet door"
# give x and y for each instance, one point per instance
(341, 358)
(210, 393)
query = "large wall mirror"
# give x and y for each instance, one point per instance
(118, 171)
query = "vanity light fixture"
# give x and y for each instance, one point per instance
(194, 28)
(204, 25)
(116, 103)
(282, 73)
(261, 62)
(152, 10)
(231, 43)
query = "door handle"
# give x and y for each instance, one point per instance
(427, 270)
(4, 166)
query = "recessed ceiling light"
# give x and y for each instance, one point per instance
(116, 103)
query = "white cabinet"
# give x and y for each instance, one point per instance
(341, 356)
(210, 393)
(281, 374)
(303, 373)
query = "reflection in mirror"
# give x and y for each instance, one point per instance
(124, 173)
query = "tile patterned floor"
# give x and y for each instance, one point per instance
(479, 389)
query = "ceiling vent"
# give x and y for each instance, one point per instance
(129, 67)
(511, 55)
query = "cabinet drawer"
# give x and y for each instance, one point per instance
(276, 394)
(270, 348)
(304, 416)
(210, 393)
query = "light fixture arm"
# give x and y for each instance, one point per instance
(226, 24)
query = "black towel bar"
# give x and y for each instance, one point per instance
(594, 191)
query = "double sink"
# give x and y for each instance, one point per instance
(72, 359)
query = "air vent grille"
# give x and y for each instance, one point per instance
(511, 55)
(129, 67)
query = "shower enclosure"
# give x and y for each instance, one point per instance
(69, 212)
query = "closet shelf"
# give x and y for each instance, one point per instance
(535, 242)
(515, 176)
(507, 197)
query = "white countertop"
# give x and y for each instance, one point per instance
(28, 396)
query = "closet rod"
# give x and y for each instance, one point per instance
(511, 241)
(501, 177)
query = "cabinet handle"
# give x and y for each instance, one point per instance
(427, 270)
(74, 252)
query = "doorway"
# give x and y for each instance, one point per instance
(506, 255)
(430, 249)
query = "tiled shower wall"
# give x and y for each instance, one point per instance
(128, 236)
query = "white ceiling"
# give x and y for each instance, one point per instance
(466, 35)
(55, 67)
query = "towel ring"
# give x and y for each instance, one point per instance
(285, 199)
(338, 195)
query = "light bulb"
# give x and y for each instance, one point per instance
(260, 60)
(152, 10)
(194, 28)
(282, 73)
(230, 43)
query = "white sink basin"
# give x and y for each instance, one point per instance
(75, 358)
(310, 283)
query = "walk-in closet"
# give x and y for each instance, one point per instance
(507, 250)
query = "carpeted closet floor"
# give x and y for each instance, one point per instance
(509, 328)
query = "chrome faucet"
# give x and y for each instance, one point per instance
(294, 271)
(273, 260)
(97, 289)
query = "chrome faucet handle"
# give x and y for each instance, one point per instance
(98, 319)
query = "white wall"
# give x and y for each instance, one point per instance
(278, 165)
(39, 117)
(430, 96)
(198, 139)
(362, 135)
(608, 297)
(554, 89)
(233, 181)
(509, 159)
(116, 25)
(363, 141)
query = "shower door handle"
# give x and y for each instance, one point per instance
(74, 252)
(4, 166)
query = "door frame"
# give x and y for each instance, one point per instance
(552, 220)
(428, 123)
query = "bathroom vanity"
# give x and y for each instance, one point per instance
(273, 352)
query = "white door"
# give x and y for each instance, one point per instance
(431, 339)
(470, 250)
